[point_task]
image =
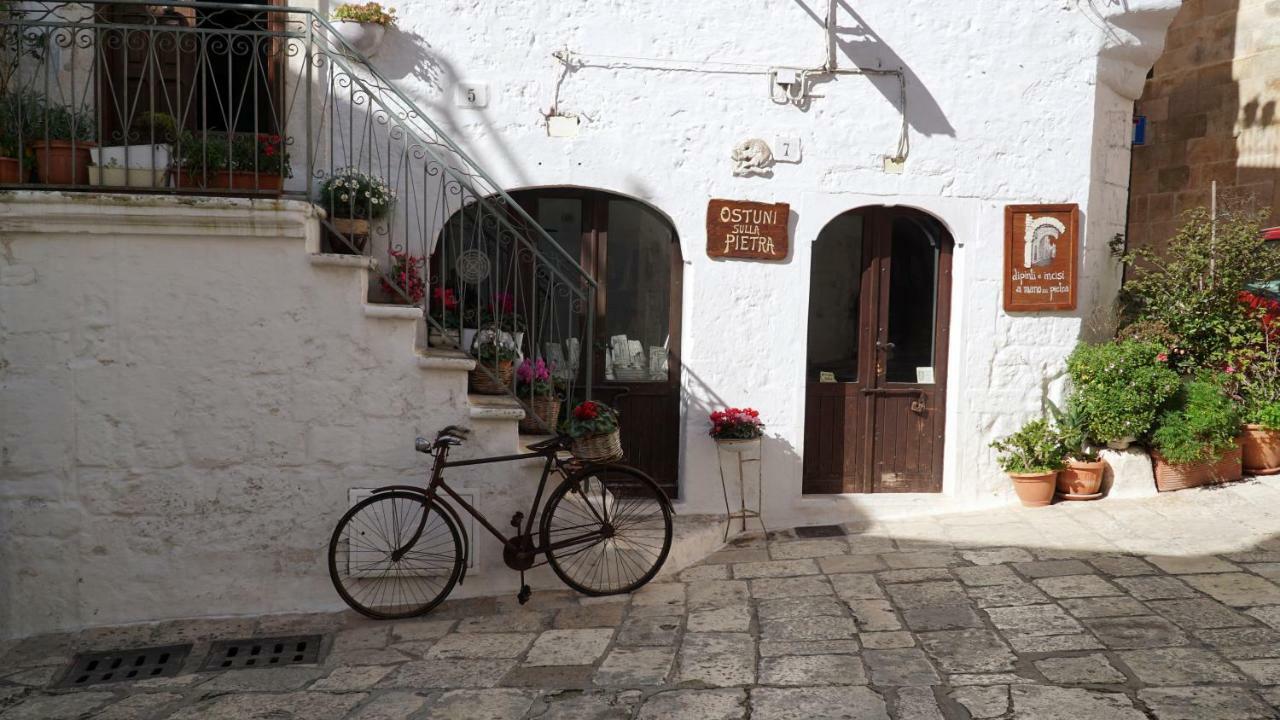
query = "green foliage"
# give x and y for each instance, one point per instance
(1259, 380)
(16, 113)
(349, 193)
(493, 349)
(1119, 387)
(58, 122)
(149, 127)
(1268, 416)
(1201, 425)
(238, 152)
(1034, 448)
(590, 418)
(1193, 288)
(370, 12)
(1070, 426)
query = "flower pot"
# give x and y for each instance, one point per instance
(1180, 476)
(10, 171)
(1122, 443)
(546, 407)
(468, 338)
(598, 448)
(133, 157)
(1081, 478)
(364, 37)
(353, 235)
(450, 339)
(59, 162)
(737, 445)
(488, 379)
(126, 177)
(1034, 489)
(1261, 450)
(242, 180)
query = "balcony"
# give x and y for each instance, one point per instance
(214, 99)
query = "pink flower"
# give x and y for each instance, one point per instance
(1163, 357)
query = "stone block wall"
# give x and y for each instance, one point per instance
(1210, 105)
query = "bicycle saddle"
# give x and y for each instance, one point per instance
(558, 442)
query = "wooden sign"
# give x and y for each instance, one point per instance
(1041, 257)
(748, 230)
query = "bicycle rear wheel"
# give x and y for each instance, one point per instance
(607, 530)
(375, 569)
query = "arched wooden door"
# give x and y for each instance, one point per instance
(633, 254)
(879, 304)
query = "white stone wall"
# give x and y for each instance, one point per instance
(185, 400)
(1007, 102)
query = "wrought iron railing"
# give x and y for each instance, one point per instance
(257, 100)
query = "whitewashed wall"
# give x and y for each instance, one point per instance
(1008, 102)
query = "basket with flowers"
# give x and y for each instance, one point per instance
(353, 199)
(535, 386)
(594, 429)
(736, 429)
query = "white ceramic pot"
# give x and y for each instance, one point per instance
(133, 157)
(468, 338)
(738, 446)
(127, 177)
(364, 37)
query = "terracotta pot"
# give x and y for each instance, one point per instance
(242, 180)
(58, 162)
(1081, 478)
(10, 171)
(1261, 450)
(1034, 489)
(1180, 476)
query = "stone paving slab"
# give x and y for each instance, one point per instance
(1138, 610)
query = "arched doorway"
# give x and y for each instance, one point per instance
(879, 304)
(633, 254)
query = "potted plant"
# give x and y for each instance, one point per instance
(11, 129)
(1260, 441)
(535, 386)
(406, 284)
(1195, 440)
(1119, 387)
(362, 25)
(495, 364)
(353, 199)
(736, 429)
(444, 313)
(234, 161)
(60, 140)
(1032, 457)
(143, 163)
(594, 429)
(1081, 478)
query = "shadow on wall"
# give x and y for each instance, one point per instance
(860, 44)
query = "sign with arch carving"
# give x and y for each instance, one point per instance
(1041, 257)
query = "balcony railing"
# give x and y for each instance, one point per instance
(256, 100)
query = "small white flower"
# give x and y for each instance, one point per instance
(345, 197)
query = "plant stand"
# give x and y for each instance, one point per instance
(740, 448)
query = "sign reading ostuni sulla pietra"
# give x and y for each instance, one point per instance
(748, 230)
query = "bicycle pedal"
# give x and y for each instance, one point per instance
(524, 594)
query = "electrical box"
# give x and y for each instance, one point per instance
(471, 95)
(894, 166)
(565, 126)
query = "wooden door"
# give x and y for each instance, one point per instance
(633, 254)
(879, 303)
(147, 66)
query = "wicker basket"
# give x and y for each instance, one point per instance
(598, 448)
(493, 380)
(1170, 476)
(546, 407)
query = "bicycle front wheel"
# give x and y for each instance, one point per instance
(393, 555)
(607, 530)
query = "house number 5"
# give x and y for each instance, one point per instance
(471, 95)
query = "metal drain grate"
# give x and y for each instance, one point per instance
(97, 668)
(263, 652)
(817, 531)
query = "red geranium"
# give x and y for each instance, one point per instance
(586, 411)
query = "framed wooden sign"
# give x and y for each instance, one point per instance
(747, 230)
(1041, 257)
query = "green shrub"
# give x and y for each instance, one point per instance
(213, 152)
(1034, 448)
(1120, 386)
(1070, 425)
(1193, 289)
(56, 122)
(1201, 425)
(1268, 416)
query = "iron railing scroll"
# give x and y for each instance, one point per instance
(269, 101)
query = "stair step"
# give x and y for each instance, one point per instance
(338, 260)
(441, 359)
(392, 312)
(495, 407)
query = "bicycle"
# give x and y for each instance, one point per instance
(605, 530)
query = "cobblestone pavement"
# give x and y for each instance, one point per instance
(1165, 608)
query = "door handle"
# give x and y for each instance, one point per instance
(885, 346)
